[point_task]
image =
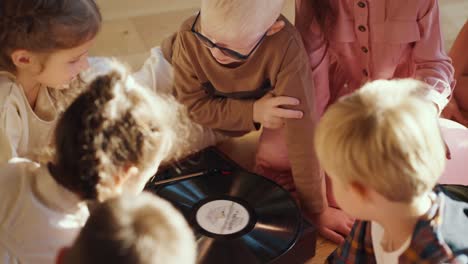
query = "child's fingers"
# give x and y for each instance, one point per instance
(284, 100)
(287, 113)
(331, 235)
(448, 155)
(345, 229)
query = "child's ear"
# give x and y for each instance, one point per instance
(129, 172)
(22, 59)
(359, 190)
(275, 28)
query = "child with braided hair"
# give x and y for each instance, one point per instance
(110, 141)
(44, 46)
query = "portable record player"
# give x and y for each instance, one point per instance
(237, 216)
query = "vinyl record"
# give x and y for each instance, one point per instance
(237, 218)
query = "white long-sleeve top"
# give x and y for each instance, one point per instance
(38, 217)
(22, 128)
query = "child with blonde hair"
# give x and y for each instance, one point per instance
(109, 141)
(133, 230)
(384, 158)
(43, 48)
(239, 66)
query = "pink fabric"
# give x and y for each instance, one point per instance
(456, 137)
(272, 161)
(376, 39)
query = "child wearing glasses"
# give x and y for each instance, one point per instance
(238, 66)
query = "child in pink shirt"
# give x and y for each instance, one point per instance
(357, 41)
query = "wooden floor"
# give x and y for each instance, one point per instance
(131, 28)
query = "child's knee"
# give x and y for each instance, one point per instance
(272, 150)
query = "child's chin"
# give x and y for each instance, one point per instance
(67, 84)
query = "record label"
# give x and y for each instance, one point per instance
(222, 217)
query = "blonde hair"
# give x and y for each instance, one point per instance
(385, 136)
(238, 16)
(113, 125)
(134, 230)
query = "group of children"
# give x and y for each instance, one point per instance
(97, 135)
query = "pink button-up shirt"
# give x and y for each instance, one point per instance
(376, 39)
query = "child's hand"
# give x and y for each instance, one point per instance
(268, 111)
(333, 224)
(452, 111)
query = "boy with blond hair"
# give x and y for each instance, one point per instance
(239, 65)
(142, 229)
(384, 157)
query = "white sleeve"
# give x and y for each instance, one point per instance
(11, 127)
(156, 73)
(97, 66)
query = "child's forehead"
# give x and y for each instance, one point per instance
(77, 51)
(230, 31)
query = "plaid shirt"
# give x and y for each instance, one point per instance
(427, 243)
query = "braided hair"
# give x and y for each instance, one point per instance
(43, 26)
(113, 125)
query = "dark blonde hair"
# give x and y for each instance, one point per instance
(134, 230)
(385, 136)
(113, 125)
(43, 26)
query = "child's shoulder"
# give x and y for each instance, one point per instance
(187, 24)
(442, 229)
(14, 176)
(8, 85)
(286, 45)
(455, 219)
(15, 169)
(287, 39)
(10, 91)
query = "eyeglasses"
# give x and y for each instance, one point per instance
(228, 52)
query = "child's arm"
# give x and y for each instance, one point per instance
(433, 66)
(269, 110)
(294, 80)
